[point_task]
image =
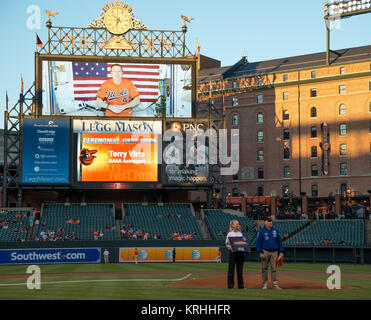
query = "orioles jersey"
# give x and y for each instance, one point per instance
(118, 95)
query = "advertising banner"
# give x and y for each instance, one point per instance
(209, 254)
(39, 256)
(186, 154)
(46, 153)
(118, 150)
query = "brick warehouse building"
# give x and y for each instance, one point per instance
(305, 126)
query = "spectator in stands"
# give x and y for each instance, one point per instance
(342, 216)
(146, 235)
(139, 234)
(95, 235)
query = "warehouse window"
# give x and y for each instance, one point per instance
(234, 101)
(313, 112)
(286, 114)
(313, 92)
(260, 173)
(260, 117)
(260, 136)
(342, 129)
(313, 132)
(285, 191)
(260, 191)
(286, 134)
(286, 172)
(285, 95)
(260, 155)
(313, 74)
(235, 120)
(314, 170)
(286, 152)
(259, 99)
(313, 152)
(314, 190)
(343, 149)
(285, 77)
(342, 89)
(343, 169)
(342, 109)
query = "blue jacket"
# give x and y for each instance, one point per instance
(268, 240)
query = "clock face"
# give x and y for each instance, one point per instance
(117, 20)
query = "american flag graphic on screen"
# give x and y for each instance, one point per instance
(89, 76)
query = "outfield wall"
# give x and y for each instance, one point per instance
(333, 255)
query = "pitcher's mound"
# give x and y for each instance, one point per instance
(253, 281)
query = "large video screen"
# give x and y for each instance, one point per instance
(117, 151)
(86, 88)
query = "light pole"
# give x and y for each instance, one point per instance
(341, 9)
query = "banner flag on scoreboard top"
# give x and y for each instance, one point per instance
(39, 42)
(89, 76)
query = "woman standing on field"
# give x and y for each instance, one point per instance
(236, 259)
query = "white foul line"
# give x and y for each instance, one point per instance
(112, 280)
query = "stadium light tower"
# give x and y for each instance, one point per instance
(341, 9)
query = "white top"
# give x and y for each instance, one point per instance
(233, 234)
(106, 253)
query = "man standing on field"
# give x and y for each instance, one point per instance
(269, 246)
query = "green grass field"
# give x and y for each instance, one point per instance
(158, 290)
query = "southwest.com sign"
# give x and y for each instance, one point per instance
(38, 256)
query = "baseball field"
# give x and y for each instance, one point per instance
(180, 281)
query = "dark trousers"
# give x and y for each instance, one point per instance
(236, 260)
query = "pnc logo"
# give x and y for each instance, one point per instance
(87, 156)
(176, 126)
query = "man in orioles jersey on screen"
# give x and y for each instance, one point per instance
(118, 95)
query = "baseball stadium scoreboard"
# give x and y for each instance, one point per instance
(114, 109)
(113, 154)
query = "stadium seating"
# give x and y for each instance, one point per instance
(289, 227)
(77, 209)
(17, 224)
(339, 232)
(218, 224)
(162, 220)
(83, 220)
